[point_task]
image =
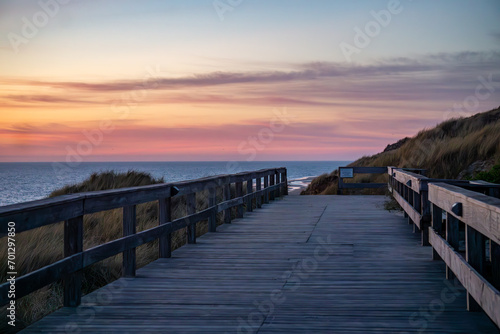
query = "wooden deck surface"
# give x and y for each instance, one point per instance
(304, 264)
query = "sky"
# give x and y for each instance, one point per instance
(243, 80)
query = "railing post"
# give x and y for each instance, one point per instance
(258, 187)
(226, 195)
(437, 225)
(340, 185)
(276, 182)
(284, 178)
(266, 191)
(212, 200)
(165, 216)
(272, 180)
(239, 193)
(73, 244)
(191, 209)
(423, 206)
(495, 264)
(129, 228)
(279, 191)
(474, 255)
(249, 191)
(452, 237)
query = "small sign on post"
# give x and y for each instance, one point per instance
(346, 172)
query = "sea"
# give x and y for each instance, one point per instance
(28, 181)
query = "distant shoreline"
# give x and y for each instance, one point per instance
(296, 186)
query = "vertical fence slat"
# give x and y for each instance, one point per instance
(212, 200)
(278, 181)
(266, 192)
(424, 207)
(226, 197)
(73, 244)
(191, 209)
(249, 191)
(239, 193)
(284, 178)
(495, 264)
(165, 216)
(437, 225)
(129, 228)
(475, 256)
(272, 180)
(258, 186)
(452, 237)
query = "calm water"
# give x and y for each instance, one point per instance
(21, 182)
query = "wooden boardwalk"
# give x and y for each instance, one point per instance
(304, 264)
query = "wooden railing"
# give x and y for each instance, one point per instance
(72, 208)
(349, 172)
(471, 212)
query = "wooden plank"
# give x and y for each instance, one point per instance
(453, 238)
(212, 202)
(266, 192)
(258, 188)
(423, 205)
(284, 179)
(333, 269)
(239, 193)
(417, 182)
(369, 170)
(495, 264)
(39, 278)
(481, 290)
(73, 244)
(277, 192)
(481, 212)
(39, 213)
(129, 228)
(111, 248)
(249, 191)
(437, 225)
(408, 209)
(229, 204)
(362, 185)
(272, 182)
(227, 197)
(191, 209)
(111, 199)
(475, 257)
(164, 217)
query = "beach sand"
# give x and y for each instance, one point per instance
(296, 186)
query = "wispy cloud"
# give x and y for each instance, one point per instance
(435, 63)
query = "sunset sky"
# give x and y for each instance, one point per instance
(238, 79)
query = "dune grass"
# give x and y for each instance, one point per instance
(43, 246)
(446, 151)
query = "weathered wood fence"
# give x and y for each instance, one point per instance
(461, 221)
(349, 172)
(261, 187)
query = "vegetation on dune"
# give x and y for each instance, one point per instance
(492, 175)
(460, 148)
(43, 246)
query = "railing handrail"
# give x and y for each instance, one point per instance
(425, 199)
(72, 208)
(478, 211)
(80, 201)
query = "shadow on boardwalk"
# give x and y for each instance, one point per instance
(305, 264)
